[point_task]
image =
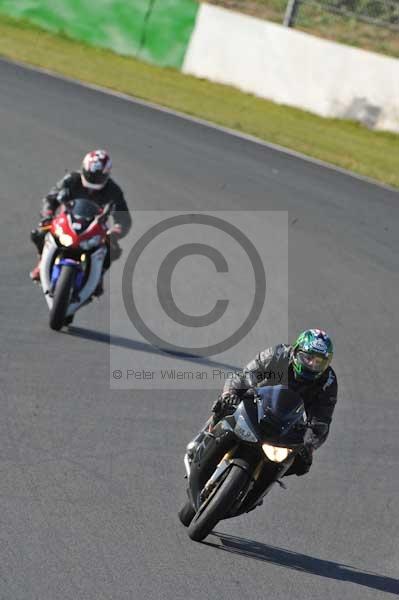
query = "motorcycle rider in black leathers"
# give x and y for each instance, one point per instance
(94, 183)
(305, 368)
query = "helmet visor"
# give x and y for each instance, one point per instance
(313, 362)
(96, 177)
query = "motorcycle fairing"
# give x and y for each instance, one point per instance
(50, 250)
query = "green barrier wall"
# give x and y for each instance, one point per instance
(169, 31)
(155, 30)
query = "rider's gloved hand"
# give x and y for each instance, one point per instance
(46, 216)
(308, 439)
(316, 434)
(116, 231)
(226, 401)
(320, 432)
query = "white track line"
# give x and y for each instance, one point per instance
(199, 121)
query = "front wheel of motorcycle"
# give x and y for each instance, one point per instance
(62, 297)
(219, 504)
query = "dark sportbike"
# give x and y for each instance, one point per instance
(247, 452)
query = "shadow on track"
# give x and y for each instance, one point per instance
(304, 563)
(122, 342)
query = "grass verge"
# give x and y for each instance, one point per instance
(343, 143)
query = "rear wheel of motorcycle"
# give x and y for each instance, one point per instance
(186, 513)
(62, 297)
(219, 505)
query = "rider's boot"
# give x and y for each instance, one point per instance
(35, 273)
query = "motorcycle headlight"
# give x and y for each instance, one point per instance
(91, 243)
(275, 453)
(65, 239)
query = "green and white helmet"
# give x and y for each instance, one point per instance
(311, 354)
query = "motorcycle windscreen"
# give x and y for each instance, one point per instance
(84, 210)
(279, 409)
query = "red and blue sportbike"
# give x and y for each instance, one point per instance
(73, 257)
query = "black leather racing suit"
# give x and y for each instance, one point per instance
(71, 188)
(272, 367)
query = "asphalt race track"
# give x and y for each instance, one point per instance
(91, 479)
